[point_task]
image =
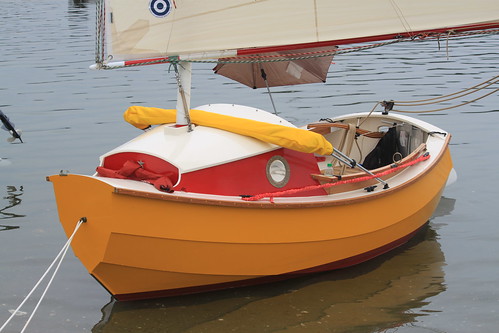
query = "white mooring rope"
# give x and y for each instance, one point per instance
(58, 259)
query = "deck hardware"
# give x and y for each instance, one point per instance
(388, 105)
(435, 132)
(347, 160)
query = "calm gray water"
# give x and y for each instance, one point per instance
(446, 280)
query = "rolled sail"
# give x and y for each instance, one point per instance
(284, 136)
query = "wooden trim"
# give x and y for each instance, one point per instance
(323, 179)
(408, 158)
(325, 128)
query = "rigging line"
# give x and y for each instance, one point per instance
(473, 34)
(450, 107)
(286, 56)
(100, 31)
(270, 58)
(264, 77)
(447, 45)
(316, 21)
(436, 102)
(47, 286)
(446, 98)
(421, 38)
(318, 54)
(60, 256)
(477, 87)
(370, 113)
(401, 17)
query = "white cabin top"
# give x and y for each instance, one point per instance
(204, 146)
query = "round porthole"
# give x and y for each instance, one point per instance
(278, 171)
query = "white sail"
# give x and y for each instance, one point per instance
(138, 29)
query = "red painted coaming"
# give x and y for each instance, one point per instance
(242, 177)
(248, 176)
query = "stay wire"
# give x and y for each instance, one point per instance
(455, 95)
(440, 99)
(449, 107)
(58, 259)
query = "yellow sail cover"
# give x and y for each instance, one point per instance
(283, 136)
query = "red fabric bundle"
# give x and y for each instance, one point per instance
(135, 171)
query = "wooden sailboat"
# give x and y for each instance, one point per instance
(225, 195)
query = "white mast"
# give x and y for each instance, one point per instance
(183, 72)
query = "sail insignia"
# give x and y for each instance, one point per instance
(160, 8)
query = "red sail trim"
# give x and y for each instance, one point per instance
(330, 43)
(144, 62)
(366, 39)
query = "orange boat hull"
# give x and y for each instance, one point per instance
(143, 245)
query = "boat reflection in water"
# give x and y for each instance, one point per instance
(13, 198)
(445, 207)
(379, 294)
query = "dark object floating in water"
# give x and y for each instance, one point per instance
(9, 126)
